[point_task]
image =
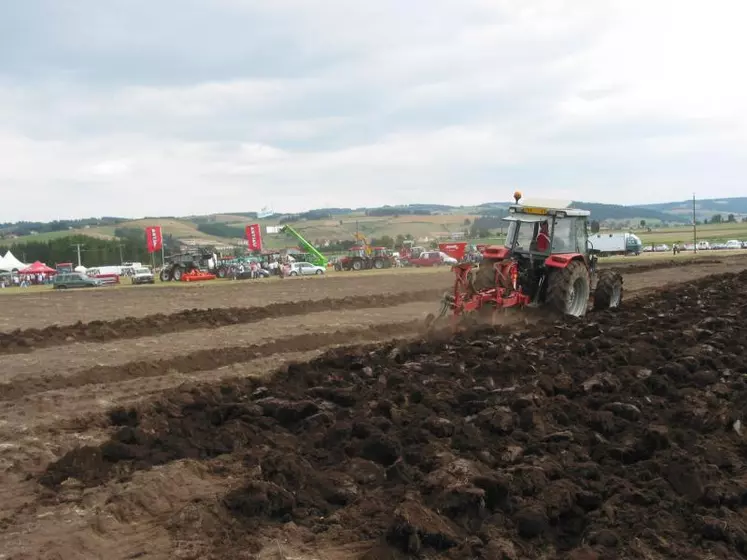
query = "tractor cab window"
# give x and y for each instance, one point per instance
(564, 239)
(523, 233)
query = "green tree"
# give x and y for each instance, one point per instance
(594, 226)
(716, 219)
(643, 223)
(731, 218)
(383, 241)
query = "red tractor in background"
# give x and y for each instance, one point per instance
(546, 261)
(364, 258)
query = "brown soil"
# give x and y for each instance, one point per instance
(201, 360)
(136, 326)
(28, 340)
(619, 436)
(41, 309)
(54, 307)
(633, 268)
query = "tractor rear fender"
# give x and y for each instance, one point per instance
(562, 261)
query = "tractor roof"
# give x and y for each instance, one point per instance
(522, 210)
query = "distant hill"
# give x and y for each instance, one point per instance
(602, 212)
(703, 207)
(329, 224)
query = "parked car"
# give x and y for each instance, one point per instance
(448, 259)
(428, 258)
(75, 280)
(142, 275)
(305, 269)
(733, 244)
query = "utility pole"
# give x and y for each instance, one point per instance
(695, 229)
(78, 246)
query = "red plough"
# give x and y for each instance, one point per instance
(466, 299)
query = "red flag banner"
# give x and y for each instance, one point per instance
(153, 238)
(254, 237)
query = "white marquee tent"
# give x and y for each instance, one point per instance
(9, 262)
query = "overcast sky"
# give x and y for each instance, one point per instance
(174, 107)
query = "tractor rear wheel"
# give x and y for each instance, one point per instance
(165, 275)
(378, 264)
(609, 291)
(569, 288)
(177, 273)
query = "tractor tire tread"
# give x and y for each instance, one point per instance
(605, 289)
(560, 282)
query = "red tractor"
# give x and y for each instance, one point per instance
(364, 258)
(546, 261)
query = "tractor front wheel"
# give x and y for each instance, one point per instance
(609, 291)
(357, 264)
(569, 288)
(165, 275)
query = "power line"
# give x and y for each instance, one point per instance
(78, 246)
(695, 229)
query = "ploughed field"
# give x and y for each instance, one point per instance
(149, 423)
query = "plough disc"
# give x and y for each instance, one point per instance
(435, 321)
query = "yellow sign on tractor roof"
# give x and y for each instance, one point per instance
(534, 210)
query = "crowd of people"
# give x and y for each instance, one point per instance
(11, 280)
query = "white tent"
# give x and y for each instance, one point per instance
(4, 268)
(10, 262)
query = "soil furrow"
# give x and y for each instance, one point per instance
(206, 359)
(27, 340)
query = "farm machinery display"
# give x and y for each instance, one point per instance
(365, 257)
(196, 265)
(314, 256)
(546, 262)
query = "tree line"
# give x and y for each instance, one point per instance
(130, 246)
(28, 228)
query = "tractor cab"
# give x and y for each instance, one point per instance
(546, 231)
(357, 252)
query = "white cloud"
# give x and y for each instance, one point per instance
(134, 108)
